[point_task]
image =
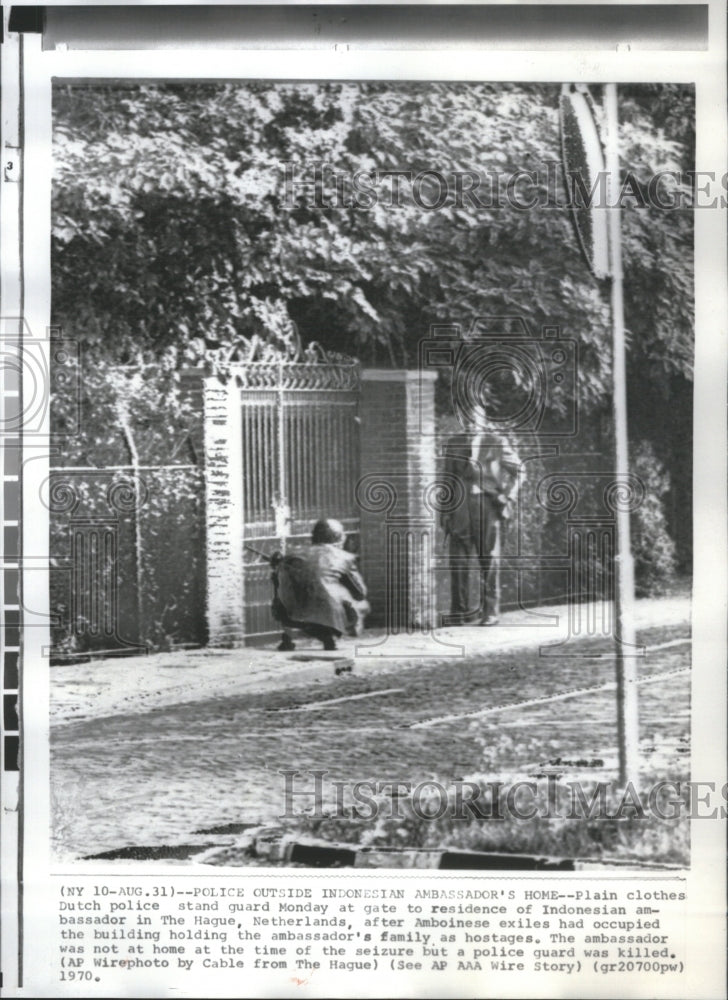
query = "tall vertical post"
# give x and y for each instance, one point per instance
(282, 507)
(627, 717)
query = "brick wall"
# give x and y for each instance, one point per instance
(397, 525)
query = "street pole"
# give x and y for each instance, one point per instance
(625, 645)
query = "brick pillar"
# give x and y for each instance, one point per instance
(192, 391)
(398, 519)
(224, 512)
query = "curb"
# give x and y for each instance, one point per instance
(278, 848)
(275, 847)
(271, 846)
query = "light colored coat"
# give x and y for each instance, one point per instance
(322, 586)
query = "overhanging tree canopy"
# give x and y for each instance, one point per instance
(188, 224)
(200, 224)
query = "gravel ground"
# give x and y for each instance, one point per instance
(136, 685)
(150, 751)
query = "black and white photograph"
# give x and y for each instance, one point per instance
(364, 500)
(371, 516)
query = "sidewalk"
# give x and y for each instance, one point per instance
(137, 685)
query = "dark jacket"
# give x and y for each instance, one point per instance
(321, 586)
(494, 473)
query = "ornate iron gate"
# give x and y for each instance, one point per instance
(300, 435)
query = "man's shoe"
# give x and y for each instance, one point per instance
(286, 644)
(462, 619)
(489, 620)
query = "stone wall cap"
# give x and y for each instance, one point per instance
(397, 375)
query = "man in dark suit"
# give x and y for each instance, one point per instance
(490, 474)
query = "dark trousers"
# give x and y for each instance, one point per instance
(320, 632)
(324, 633)
(474, 542)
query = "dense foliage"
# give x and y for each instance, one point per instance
(187, 218)
(202, 224)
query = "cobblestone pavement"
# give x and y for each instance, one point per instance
(151, 750)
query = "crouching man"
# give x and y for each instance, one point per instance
(319, 590)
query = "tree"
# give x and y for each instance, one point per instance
(208, 223)
(194, 215)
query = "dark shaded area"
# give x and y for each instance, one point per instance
(10, 534)
(226, 828)
(11, 501)
(11, 586)
(27, 19)
(12, 628)
(661, 411)
(12, 752)
(10, 712)
(316, 856)
(178, 852)
(682, 26)
(10, 674)
(467, 861)
(12, 450)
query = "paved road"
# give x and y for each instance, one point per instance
(189, 757)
